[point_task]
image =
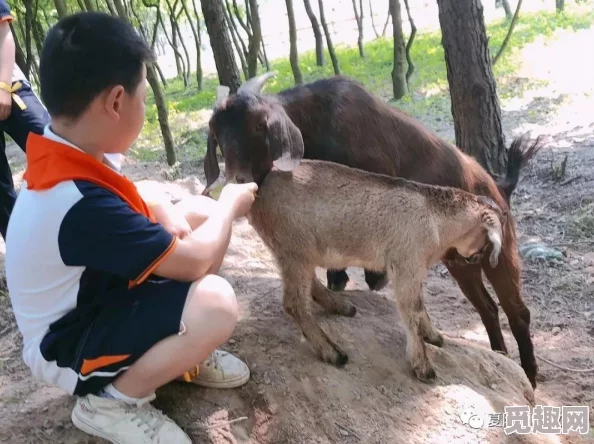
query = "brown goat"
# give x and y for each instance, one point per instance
(338, 120)
(386, 224)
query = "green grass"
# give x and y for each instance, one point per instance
(429, 95)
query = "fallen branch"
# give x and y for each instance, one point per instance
(224, 423)
(346, 429)
(573, 370)
(509, 33)
(573, 179)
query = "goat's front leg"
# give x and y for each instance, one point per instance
(407, 286)
(298, 280)
(376, 281)
(331, 301)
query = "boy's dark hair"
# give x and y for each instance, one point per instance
(85, 53)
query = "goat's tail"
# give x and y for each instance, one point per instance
(520, 152)
(495, 234)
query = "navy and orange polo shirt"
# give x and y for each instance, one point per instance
(79, 232)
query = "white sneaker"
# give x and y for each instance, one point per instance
(220, 370)
(121, 423)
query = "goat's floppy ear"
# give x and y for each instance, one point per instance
(284, 141)
(211, 164)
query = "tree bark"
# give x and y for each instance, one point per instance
(212, 11)
(61, 8)
(399, 87)
(329, 44)
(315, 26)
(255, 40)
(560, 4)
(293, 52)
(89, 5)
(187, 63)
(359, 20)
(475, 105)
(373, 20)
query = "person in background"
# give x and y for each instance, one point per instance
(21, 112)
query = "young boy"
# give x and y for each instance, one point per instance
(110, 303)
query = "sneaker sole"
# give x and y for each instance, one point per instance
(234, 383)
(89, 429)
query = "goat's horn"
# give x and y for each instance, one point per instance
(222, 94)
(254, 85)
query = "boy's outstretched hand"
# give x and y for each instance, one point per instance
(239, 197)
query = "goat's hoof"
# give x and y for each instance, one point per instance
(337, 357)
(436, 339)
(348, 310)
(425, 373)
(376, 281)
(337, 286)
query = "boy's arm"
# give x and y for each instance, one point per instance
(102, 232)
(203, 250)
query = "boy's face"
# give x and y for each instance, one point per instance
(130, 110)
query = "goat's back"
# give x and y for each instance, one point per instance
(342, 122)
(327, 211)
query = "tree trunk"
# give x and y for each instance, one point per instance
(212, 11)
(315, 26)
(293, 53)
(507, 9)
(89, 5)
(160, 101)
(27, 33)
(187, 63)
(398, 68)
(237, 41)
(38, 33)
(359, 20)
(264, 56)
(387, 20)
(560, 4)
(373, 20)
(61, 8)
(255, 40)
(475, 105)
(173, 42)
(162, 115)
(197, 39)
(333, 57)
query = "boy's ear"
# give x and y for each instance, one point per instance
(113, 101)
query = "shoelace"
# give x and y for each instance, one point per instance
(151, 418)
(213, 359)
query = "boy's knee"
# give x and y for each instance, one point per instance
(214, 297)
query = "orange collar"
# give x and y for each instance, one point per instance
(50, 162)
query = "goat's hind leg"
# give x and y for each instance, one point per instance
(407, 286)
(337, 279)
(330, 301)
(428, 331)
(376, 281)
(298, 297)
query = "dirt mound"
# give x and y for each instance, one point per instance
(295, 398)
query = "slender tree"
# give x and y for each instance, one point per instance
(398, 69)
(359, 20)
(236, 38)
(214, 18)
(160, 101)
(61, 8)
(315, 26)
(195, 27)
(293, 52)
(475, 105)
(507, 9)
(255, 40)
(411, 39)
(329, 44)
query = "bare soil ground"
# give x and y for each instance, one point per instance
(294, 398)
